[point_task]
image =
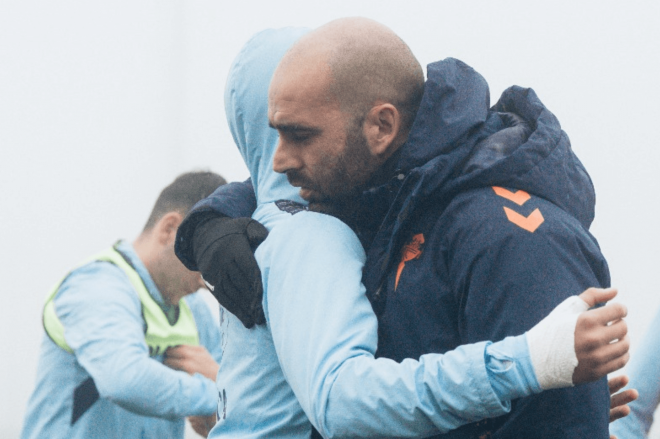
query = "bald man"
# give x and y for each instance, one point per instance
(331, 170)
(482, 240)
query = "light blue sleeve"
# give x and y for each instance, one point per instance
(103, 325)
(510, 368)
(207, 326)
(325, 334)
(644, 373)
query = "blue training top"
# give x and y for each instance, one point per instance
(139, 396)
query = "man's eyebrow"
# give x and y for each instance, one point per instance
(287, 128)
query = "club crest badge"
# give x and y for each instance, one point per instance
(411, 251)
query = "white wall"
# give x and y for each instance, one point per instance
(91, 129)
(104, 103)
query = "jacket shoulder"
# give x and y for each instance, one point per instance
(492, 236)
(96, 280)
(513, 231)
(495, 212)
(90, 290)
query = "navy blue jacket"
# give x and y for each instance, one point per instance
(480, 241)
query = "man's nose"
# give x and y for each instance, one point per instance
(284, 159)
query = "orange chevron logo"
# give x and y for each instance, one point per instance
(529, 223)
(518, 197)
(412, 250)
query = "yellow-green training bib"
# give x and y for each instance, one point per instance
(159, 335)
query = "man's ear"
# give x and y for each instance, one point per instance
(167, 226)
(381, 129)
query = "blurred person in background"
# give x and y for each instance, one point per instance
(644, 372)
(129, 349)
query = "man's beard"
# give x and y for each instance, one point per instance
(338, 181)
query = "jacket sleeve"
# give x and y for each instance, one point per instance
(103, 325)
(325, 335)
(234, 200)
(643, 372)
(207, 325)
(509, 266)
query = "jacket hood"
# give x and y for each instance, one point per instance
(246, 106)
(446, 152)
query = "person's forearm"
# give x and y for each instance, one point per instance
(510, 368)
(413, 398)
(103, 325)
(149, 388)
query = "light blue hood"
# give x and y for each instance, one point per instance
(246, 105)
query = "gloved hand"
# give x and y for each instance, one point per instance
(224, 252)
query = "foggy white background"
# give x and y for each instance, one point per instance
(103, 103)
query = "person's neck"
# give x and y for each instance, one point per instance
(147, 253)
(143, 249)
(385, 171)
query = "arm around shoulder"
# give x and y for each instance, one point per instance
(325, 335)
(508, 274)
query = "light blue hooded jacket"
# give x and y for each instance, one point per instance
(314, 359)
(103, 324)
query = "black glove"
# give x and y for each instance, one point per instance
(224, 252)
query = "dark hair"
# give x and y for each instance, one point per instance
(182, 194)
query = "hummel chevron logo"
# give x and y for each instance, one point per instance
(518, 197)
(529, 223)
